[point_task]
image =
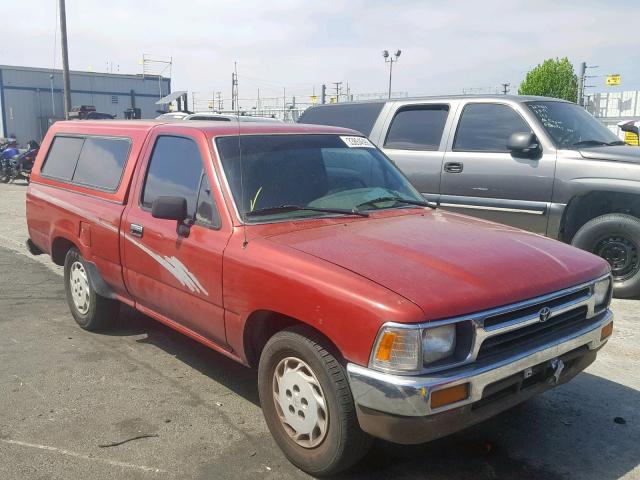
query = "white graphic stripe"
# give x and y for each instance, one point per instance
(174, 266)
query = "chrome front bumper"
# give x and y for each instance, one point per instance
(410, 396)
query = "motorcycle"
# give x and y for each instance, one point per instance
(19, 167)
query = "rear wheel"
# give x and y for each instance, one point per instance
(91, 311)
(616, 238)
(307, 404)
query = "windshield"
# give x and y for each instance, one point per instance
(315, 171)
(570, 126)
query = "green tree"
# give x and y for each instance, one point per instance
(554, 78)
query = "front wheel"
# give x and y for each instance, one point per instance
(616, 238)
(307, 404)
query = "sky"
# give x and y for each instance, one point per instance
(295, 46)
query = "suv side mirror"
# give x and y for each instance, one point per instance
(523, 143)
(170, 208)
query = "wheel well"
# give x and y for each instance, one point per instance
(586, 207)
(261, 325)
(59, 249)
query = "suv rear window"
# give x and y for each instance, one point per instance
(92, 161)
(417, 127)
(356, 116)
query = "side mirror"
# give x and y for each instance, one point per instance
(169, 208)
(173, 208)
(524, 144)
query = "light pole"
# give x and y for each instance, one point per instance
(390, 59)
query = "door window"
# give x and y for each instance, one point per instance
(176, 170)
(417, 128)
(206, 211)
(486, 127)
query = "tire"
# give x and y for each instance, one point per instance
(616, 238)
(90, 310)
(343, 443)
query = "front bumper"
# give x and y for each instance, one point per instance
(398, 408)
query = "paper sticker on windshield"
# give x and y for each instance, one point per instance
(357, 142)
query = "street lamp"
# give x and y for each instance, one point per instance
(390, 59)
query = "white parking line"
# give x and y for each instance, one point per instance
(69, 453)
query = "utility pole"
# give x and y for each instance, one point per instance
(582, 82)
(390, 60)
(324, 94)
(65, 60)
(219, 97)
(338, 89)
(505, 88)
(234, 89)
(581, 78)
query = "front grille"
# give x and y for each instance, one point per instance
(518, 314)
(535, 334)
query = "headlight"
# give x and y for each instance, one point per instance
(601, 293)
(438, 343)
(408, 350)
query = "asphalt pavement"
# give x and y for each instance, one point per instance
(142, 401)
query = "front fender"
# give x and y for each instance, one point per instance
(345, 307)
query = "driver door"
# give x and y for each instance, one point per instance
(176, 278)
(481, 178)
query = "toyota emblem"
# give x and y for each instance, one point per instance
(544, 314)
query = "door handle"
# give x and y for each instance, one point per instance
(453, 167)
(136, 230)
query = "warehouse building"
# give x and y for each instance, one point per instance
(31, 98)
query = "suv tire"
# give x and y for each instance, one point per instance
(616, 238)
(90, 310)
(301, 382)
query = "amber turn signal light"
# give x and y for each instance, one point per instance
(385, 346)
(450, 395)
(606, 332)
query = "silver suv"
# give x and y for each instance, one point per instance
(537, 163)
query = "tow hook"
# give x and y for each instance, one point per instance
(558, 366)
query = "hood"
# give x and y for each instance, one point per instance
(448, 264)
(613, 153)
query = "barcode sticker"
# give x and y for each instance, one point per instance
(357, 142)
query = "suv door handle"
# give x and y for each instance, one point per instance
(453, 167)
(136, 230)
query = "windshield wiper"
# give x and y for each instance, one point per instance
(298, 208)
(589, 142)
(397, 200)
(617, 142)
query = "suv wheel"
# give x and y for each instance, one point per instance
(90, 310)
(616, 238)
(307, 404)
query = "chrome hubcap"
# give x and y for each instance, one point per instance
(79, 283)
(300, 402)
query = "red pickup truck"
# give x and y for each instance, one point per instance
(303, 251)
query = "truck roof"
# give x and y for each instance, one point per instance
(211, 129)
(515, 98)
